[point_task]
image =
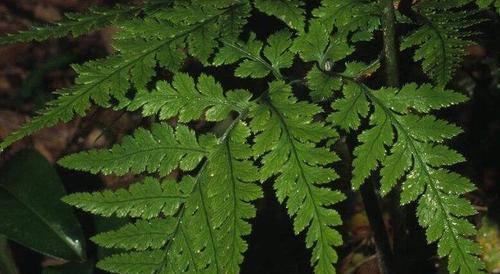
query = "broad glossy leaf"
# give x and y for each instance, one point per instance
(31, 209)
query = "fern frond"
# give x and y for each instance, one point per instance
(75, 24)
(231, 190)
(160, 150)
(202, 41)
(192, 248)
(442, 39)
(372, 147)
(142, 235)
(132, 263)
(358, 18)
(288, 11)
(99, 81)
(211, 225)
(286, 141)
(321, 84)
(189, 100)
(316, 45)
(258, 60)
(441, 209)
(350, 108)
(142, 200)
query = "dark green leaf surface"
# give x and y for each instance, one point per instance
(31, 210)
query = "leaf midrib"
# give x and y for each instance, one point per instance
(301, 169)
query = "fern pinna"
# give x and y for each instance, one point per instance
(199, 223)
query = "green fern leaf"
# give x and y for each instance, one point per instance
(230, 188)
(192, 248)
(202, 41)
(428, 128)
(209, 234)
(372, 147)
(275, 55)
(132, 263)
(441, 209)
(189, 100)
(357, 17)
(350, 109)
(442, 40)
(321, 84)
(394, 167)
(285, 140)
(99, 81)
(317, 45)
(422, 99)
(288, 11)
(75, 24)
(143, 200)
(139, 236)
(159, 150)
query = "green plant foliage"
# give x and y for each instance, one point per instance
(141, 44)
(317, 45)
(276, 55)
(442, 38)
(357, 18)
(230, 188)
(159, 150)
(143, 200)
(188, 101)
(141, 235)
(31, 200)
(199, 222)
(133, 262)
(286, 141)
(416, 153)
(288, 11)
(75, 24)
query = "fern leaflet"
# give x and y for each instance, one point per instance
(99, 81)
(142, 235)
(142, 200)
(133, 262)
(441, 210)
(288, 11)
(357, 18)
(187, 100)
(286, 141)
(276, 55)
(74, 24)
(442, 39)
(160, 150)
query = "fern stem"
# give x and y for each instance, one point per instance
(391, 48)
(376, 219)
(390, 44)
